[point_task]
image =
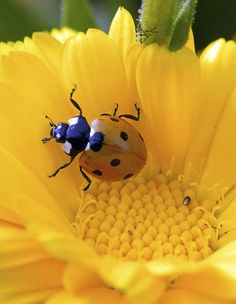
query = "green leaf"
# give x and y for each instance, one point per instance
(78, 15)
(156, 20)
(185, 11)
(166, 22)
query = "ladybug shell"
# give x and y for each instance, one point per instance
(122, 152)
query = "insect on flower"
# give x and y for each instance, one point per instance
(186, 200)
(111, 148)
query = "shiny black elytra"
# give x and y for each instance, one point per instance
(76, 135)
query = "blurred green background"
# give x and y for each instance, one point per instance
(18, 18)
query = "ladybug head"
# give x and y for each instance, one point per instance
(58, 132)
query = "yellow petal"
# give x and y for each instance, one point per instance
(26, 121)
(90, 296)
(130, 62)
(122, 30)
(218, 63)
(167, 83)
(32, 297)
(48, 96)
(5, 48)
(112, 270)
(19, 177)
(8, 217)
(70, 249)
(30, 282)
(227, 217)
(228, 237)
(217, 276)
(98, 73)
(78, 278)
(64, 297)
(45, 47)
(50, 49)
(190, 43)
(134, 280)
(220, 165)
(15, 190)
(63, 33)
(224, 259)
(70, 65)
(41, 219)
(18, 248)
(138, 284)
(184, 296)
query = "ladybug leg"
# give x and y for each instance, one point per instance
(62, 167)
(86, 177)
(115, 110)
(105, 114)
(114, 113)
(130, 116)
(52, 124)
(46, 139)
(75, 104)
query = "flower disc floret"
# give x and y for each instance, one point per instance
(146, 220)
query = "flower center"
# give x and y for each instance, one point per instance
(147, 220)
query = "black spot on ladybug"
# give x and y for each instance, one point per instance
(124, 135)
(140, 136)
(128, 176)
(96, 141)
(97, 172)
(115, 162)
(114, 119)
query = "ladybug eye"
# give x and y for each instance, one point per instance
(52, 132)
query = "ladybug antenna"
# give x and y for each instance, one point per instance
(50, 121)
(75, 104)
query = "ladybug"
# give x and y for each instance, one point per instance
(110, 148)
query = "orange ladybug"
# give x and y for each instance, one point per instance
(111, 149)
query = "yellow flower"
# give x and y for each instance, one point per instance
(166, 235)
